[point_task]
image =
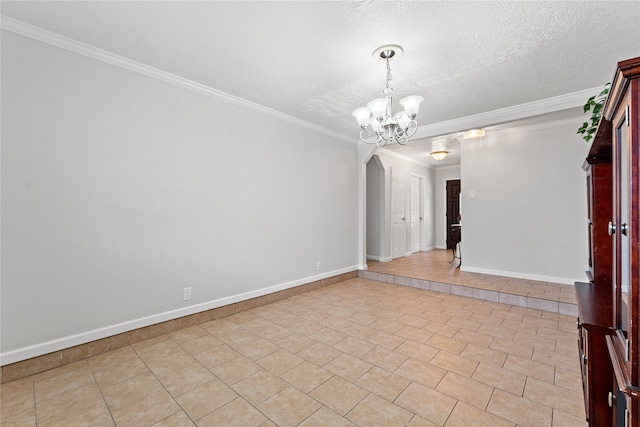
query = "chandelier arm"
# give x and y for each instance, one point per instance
(387, 134)
(401, 139)
(366, 133)
(400, 132)
(411, 129)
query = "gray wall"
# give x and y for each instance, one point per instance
(118, 190)
(529, 217)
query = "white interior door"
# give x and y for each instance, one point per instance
(398, 220)
(416, 214)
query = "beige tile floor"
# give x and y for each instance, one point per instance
(435, 266)
(358, 353)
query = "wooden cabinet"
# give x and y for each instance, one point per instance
(622, 109)
(595, 299)
(594, 325)
(609, 305)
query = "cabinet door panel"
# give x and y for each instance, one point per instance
(622, 221)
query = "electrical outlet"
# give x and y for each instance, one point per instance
(318, 265)
(186, 294)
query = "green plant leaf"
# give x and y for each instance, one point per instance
(605, 91)
(596, 104)
(597, 109)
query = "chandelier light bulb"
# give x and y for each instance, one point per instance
(403, 119)
(378, 107)
(411, 104)
(375, 124)
(362, 115)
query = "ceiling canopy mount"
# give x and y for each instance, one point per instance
(388, 51)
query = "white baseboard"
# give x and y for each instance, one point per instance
(516, 275)
(40, 349)
(379, 258)
(440, 247)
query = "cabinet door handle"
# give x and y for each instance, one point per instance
(624, 228)
(611, 228)
(626, 418)
(611, 399)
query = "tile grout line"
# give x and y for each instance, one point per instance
(101, 394)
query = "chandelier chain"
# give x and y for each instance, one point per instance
(389, 78)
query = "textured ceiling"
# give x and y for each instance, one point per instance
(312, 59)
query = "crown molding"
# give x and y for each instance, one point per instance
(63, 42)
(490, 132)
(577, 121)
(446, 167)
(516, 112)
(502, 115)
(387, 152)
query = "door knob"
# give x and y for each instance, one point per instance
(611, 228)
(611, 399)
(624, 228)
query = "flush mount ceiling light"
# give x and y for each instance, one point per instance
(439, 149)
(377, 123)
(473, 134)
(439, 155)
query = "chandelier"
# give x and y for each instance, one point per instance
(377, 123)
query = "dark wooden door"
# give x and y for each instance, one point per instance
(453, 212)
